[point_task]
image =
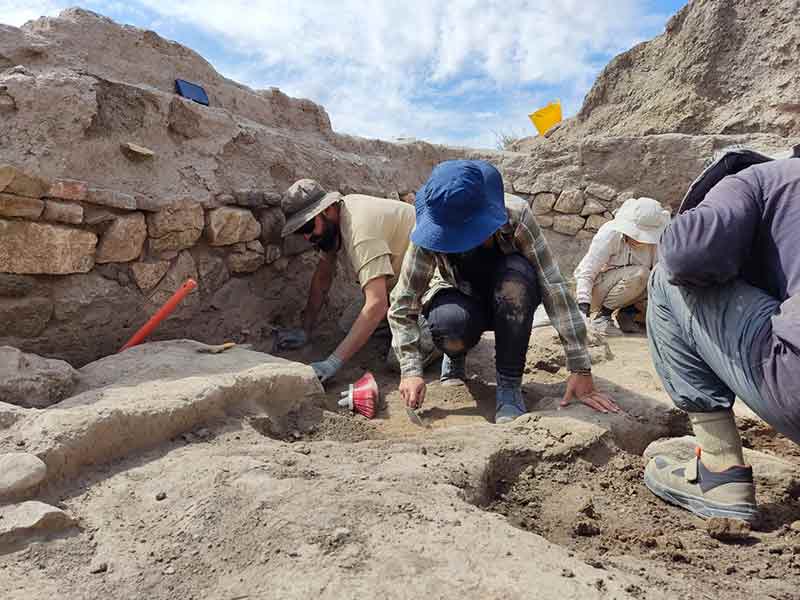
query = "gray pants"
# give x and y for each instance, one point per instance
(702, 341)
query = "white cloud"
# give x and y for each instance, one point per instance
(16, 12)
(418, 68)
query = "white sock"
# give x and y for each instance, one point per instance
(719, 439)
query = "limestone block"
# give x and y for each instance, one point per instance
(68, 189)
(176, 227)
(123, 241)
(147, 203)
(14, 181)
(111, 198)
(12, 205)
(148, 274)
(603, 192)
(595, 222)
(272, 254)
(272, 223)
(568, 224)
(245, 262)
(62, 212)
(545, 221)
(18, 521)
(584, 234)
(95, 215)
(592, 207)
(227, 226)
(249, 198)
(19, 472)
(543, 203)
(570, 202)
(31, 381)
(39, 248)
(24, 317)
(255, 246)
(211, 268)
(183, 269)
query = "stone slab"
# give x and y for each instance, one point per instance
(19, 473)
(32, 381)
(12, 205)
(21, 521)
(40, 248)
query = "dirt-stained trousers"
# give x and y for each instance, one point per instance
(505, 306)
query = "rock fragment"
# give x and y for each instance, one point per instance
(19, 473)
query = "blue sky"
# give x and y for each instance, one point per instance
(450, 71)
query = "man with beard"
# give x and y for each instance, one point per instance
(373, 233)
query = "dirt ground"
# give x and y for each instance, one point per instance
(329, 504)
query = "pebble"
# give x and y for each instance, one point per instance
(725, 529)
(795, 526)
(161, 496)
(170, 570)
(567, 573)
(100, 567)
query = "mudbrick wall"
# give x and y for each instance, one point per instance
(114, 190)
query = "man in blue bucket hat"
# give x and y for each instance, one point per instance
(491, 268)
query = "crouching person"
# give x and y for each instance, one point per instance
(724, 322)
(373, 233)
(613, 275)
(493, 268)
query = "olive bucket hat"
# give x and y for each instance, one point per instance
(303, 201)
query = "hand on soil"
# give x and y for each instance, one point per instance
(412, 391)
(581, 387)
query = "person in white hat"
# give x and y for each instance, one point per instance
(613, 275)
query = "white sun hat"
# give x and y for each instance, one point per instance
(642, 219)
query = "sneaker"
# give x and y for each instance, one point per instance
(510, 405)
(729, 493)
(454, 370)
(626, 320)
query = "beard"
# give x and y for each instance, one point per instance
(328, 240)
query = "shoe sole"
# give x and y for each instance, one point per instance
(700, 506)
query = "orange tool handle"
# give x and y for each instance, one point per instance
(162, 314)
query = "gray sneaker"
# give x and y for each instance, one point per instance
(509, 405)
(729, 493)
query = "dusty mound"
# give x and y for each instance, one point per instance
(721, 67)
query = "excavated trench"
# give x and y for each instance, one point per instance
(598, 507)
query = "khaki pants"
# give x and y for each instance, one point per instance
(621, 287)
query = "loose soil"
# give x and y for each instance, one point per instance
(607, 516)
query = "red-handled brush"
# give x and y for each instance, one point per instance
(362, 396)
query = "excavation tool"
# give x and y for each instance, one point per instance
(362, 396)
(161, 314)
(414, 417)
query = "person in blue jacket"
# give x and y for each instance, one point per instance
(724, 322)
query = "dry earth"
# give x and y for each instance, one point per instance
(316, 502)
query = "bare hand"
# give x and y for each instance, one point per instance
(412, 391)
(581, 387)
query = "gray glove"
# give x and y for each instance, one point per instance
(289, 339)
(325, 369)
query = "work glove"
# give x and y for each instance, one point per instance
(325, 369)
(585, 307)
(289, 339)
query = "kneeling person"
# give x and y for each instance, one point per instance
(494, 268)
(373, 233)
(613, 274)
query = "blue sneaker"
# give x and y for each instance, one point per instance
(454, 370)
(510, 405)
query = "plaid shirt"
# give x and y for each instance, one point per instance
(521, 234)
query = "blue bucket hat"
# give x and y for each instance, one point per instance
(459, 207)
